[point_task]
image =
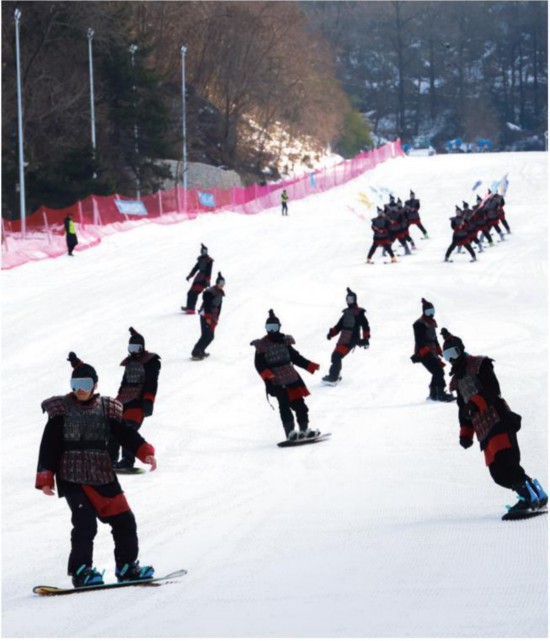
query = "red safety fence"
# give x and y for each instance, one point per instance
(97, 216)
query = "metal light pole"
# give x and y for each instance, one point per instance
(90, 35)
(133, 48)
(22, 205)
(184, 151)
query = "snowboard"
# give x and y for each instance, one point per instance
(331, 383)
(50, 590)
(304, 441)
(130, 470)
(528, 513)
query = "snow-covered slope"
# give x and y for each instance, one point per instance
(389, 529)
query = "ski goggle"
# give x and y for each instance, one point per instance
(350, 299)
(272, 327)
(83, 384)
(135, 348)
(451, 353)
(430, 311)
(220, 282)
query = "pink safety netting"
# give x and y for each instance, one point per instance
(98, 216)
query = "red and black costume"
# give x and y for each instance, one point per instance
(412, 209)
(427, 351)
(137, 391)
(354, 330)
(484, 413)
(202, 271)
(74, 453)
(274, 360)
(381, 235)
(209, 312)
(459, 226)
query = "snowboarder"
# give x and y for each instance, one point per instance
(381, 236)
(202, 272)
(351, 325)
(484, 413)
(274, 360)
(284, 203)
(209, 313)
(137, 392)
(398, 224)
(74, 453)
(427, 351)
(412, 208)
(460, 235)
(70, 233)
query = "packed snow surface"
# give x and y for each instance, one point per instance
(389, 528)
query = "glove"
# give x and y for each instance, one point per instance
(313, 367)
(415, 358)
(470, 410)
(329, 336)
(147, 407)
(466, 442)
(363, 342)
(188, 277)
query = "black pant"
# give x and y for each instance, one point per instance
(72, 242)
(506, 470)
(432, 364)
(286, 407)
(84, 520)
(375, 244)
(207, 336)
(284, 209)
(192, 296)
(113, 446)
(454, 245)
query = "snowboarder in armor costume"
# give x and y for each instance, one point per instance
(427, 351)
(351, 325)
(274, 360)
(459, 225)
(381, 235)
(412, 208)
(202, 271)
(209, 312)
(74, 453)
(484, 413)
(137, 392)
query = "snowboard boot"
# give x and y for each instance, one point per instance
(124, 464)
(433, 394)
(527, 496)
(309, 433)
(442, 395)
(187, 310)
(133, 572)
(86, 575)
(394, 259)
(293, 435)
(541, 494)
(370, 261)
(426, 235)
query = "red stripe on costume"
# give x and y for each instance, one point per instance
(495, 445)
(104, 505)
(134, 414)
(294, 393)
(145, 450)
(467, 432)
(43, 479)
(149, 396)
(341, 349)
(480, 402)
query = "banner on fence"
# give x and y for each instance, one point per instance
(206, 199)
(131, 207)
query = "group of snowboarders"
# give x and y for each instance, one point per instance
(470, 225)
(473, 225)
(84, 432)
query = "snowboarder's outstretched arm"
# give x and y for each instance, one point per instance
(298, 360)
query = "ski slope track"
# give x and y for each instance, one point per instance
(388, 529)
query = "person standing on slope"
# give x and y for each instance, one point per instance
(484, 413)
(412, 207)
(274, 359)
(202, 271)
(284, 203)
(73, 452)
(209, 313)
(381, 236)
(137, 391)
(427, 351)
(351, 325)
(460, 235)
(70, 234)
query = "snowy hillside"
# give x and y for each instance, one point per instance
(390, 528)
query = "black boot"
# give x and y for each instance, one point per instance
(442, 395)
